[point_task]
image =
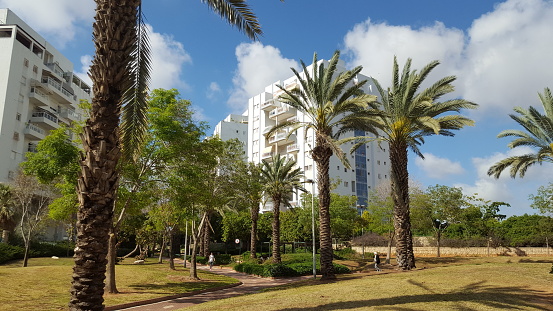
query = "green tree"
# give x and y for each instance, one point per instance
(408, 115)
(329, 100)
(444, 205)
(527, 230)
(8, 220)
(542, 201)
(280, 179)
(119, 73)
(537, 133)
(31, 199)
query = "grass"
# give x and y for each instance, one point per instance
(496, 283)
(45, 283)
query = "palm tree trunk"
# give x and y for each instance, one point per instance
(276, 229)
(400, 194)
(111, 286)
(113, 32)
(254, 212)
(6, 236)
(321, 155)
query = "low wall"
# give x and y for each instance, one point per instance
(466, 251)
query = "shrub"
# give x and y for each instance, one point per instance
(49, 249)
(340, 269)
(284, 269)
(345, 253)
(10, 252)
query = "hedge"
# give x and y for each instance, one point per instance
(284, 269)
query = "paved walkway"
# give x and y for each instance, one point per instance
(250, 284)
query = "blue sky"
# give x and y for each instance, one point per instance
(501, 52)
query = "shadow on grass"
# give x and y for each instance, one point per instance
(528, 260)
(173, 287)
(480, 294)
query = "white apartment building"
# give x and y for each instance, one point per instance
(369, 164)
(38, 91)
(233, 126)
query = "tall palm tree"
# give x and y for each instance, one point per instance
(329, 99)
(406, 117)
(538, 134)
(119, 73)
(280, 178)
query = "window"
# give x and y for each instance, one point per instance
(25, 62)
(35, 69)
(15, 135)
(353, 186)
(338, 167)
(346, 184)
(5, 33)
(384, 162)
(345, 170)
(378, 162)
(379, 176)
(11, 175)
(18, 116)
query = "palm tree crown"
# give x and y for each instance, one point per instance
(538, 134)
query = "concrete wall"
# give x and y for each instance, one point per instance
(467, 251)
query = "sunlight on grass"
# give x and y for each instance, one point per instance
(466, 284)
(45, 283)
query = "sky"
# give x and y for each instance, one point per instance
(500, 51)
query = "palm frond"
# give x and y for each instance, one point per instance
(237, 13)
(134, 101)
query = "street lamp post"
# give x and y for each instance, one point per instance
(310, 181)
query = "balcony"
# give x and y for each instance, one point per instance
(293, 148)
(39, 98)
(54, 84)
(285, 112)
(34, 132)
(270, 104)
(70, 114)
(45, 118)
(282, 138)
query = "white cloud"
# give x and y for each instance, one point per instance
(258, 66)
(59, 21)
(501, 62)
(213, 90)
(373, 46)
(168, 59)
(436, 167)
(508, 56)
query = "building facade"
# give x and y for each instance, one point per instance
(369, 163)
(38, 91)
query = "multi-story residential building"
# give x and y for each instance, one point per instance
(234, 126)
(38, 91)
(369, 163)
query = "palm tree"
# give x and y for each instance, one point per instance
(248, 184)
(329, 100)
(280, 178)
(119, 73)
(538, 134)
(406, 117)
(7, 213)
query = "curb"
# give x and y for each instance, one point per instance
(164, 298)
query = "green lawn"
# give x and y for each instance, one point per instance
(45, 283)
(499, 283)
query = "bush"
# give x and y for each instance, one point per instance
(10, 252)
(345, 253)
(285, 268)
(49, 249)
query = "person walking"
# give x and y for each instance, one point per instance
(376, 261)
(211, 261)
